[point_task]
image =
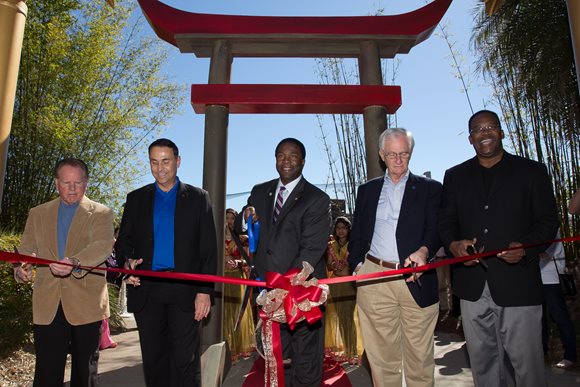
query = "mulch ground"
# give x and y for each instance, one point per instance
(17, 369)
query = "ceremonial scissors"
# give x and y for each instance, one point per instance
(472, 250)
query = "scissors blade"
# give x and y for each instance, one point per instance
(482, 260)
(472, 250)
(415, 276)
(17, 263)
(246, 299)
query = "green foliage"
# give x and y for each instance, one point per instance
(90, 86)
(526, 53)
(344, 142)
(15, 303)
(116, 322)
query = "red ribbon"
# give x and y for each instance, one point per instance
(272, 343)
(443, 262)
(18, 258)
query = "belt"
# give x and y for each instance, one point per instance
(380, 262)
(165, 270)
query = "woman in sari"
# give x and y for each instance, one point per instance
(341, 322)
(241, 341)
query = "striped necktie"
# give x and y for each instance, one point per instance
(279, 203)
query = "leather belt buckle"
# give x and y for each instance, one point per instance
(380, 262)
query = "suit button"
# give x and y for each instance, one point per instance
(486, 207)
(269, 252)
(485, 230)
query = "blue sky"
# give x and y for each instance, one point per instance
(434, 106)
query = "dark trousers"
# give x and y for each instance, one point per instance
(305, 346)
(170, 342)
(52, 343)
(555, 306)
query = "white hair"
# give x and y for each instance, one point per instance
(395, 132)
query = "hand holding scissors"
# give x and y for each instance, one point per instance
(418, 258)
(23, 270)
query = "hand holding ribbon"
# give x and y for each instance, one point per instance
(22, 270)
(131, 264)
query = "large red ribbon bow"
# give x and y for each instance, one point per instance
(292, 299)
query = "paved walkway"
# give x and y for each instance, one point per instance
(121, 367)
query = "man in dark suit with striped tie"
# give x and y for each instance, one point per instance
(295, 222)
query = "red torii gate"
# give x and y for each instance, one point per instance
(224, 37)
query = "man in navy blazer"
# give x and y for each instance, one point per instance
(395, 226)
(294, 219)
(490, 202)
(168, 226)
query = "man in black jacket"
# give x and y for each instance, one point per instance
(494, 201)
(168, 226)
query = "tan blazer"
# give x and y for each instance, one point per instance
(90, 240)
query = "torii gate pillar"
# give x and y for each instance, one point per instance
(12, 21)
(374, 117)
(215, 172)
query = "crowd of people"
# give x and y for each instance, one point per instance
(493, 201)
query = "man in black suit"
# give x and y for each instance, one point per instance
(168, 226)
(294, 221)
(395, 226)
(493, 201)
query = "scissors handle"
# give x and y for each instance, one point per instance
(253, 234)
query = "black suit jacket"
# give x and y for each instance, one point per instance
(300, 233)
(417, 226)
(194, 241)
(520, 207)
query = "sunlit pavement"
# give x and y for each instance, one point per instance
(122, 366)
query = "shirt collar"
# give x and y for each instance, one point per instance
(171, 191)
(403, 179)
(69, 206)
(290, 186)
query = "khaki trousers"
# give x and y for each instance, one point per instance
(397, 334)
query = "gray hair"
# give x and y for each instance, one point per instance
(71, 162)
(395, 132)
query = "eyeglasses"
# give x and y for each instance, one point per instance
(482, 129)
(393, 155)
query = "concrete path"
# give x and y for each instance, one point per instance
(121, 366)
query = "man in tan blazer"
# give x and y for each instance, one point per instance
(68, 303)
